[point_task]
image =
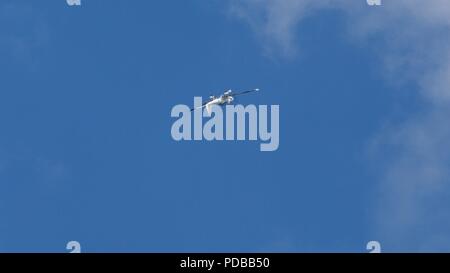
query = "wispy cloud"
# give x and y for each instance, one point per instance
(275, 22)
(413, 41)
(413, 208)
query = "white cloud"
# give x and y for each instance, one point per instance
(413, 208)
(275, 22)
(413, 42)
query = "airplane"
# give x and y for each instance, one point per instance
(226, 98)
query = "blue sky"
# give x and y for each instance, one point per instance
(86, 152)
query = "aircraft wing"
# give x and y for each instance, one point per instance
(245, 92)
(208, 107)
(200, 107)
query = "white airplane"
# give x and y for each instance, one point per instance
(226, 97)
